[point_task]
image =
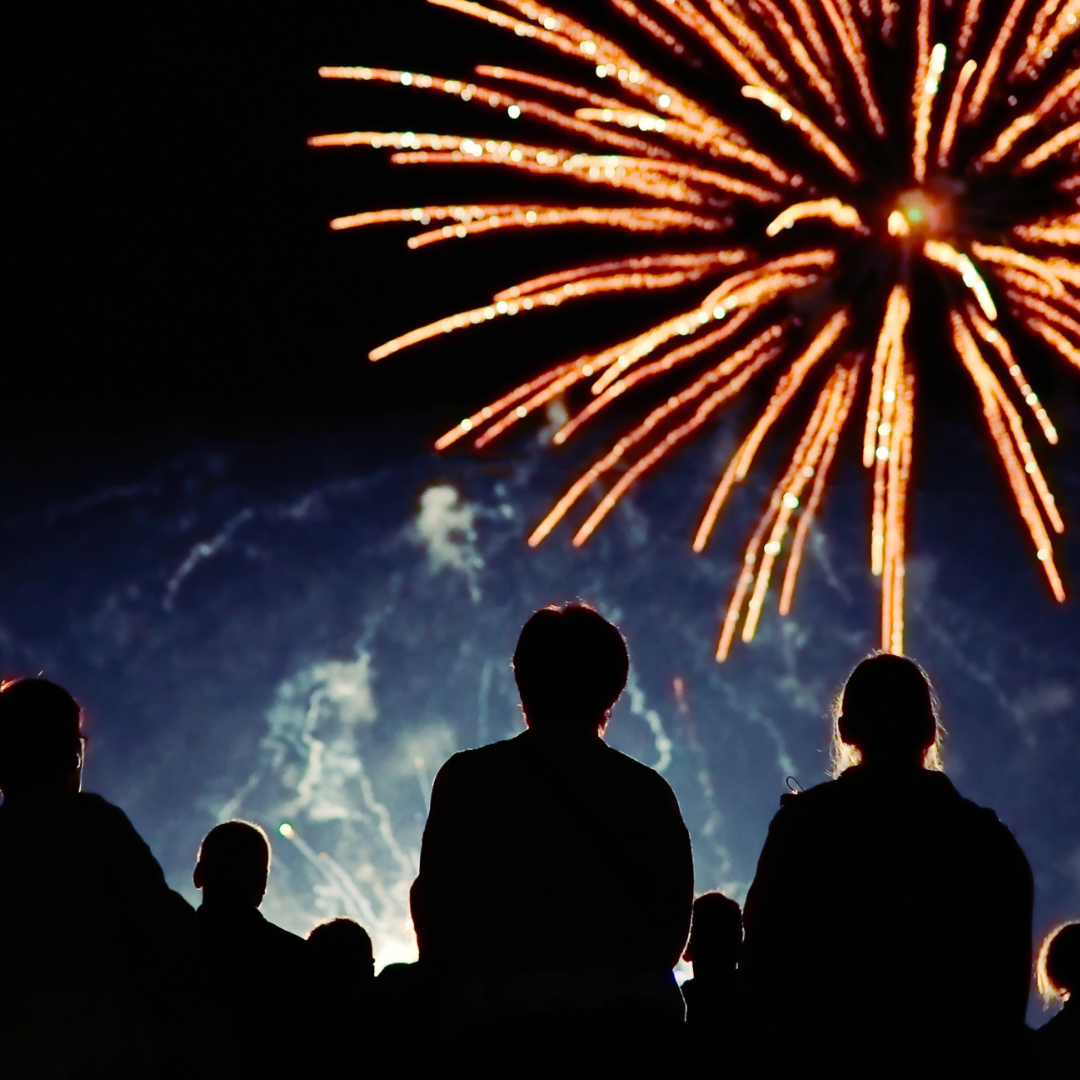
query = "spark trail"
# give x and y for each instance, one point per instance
(871, 155)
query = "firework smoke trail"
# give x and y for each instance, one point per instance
(984, 141)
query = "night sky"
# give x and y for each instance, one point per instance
(213, 498)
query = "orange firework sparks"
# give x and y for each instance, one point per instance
(816, 171)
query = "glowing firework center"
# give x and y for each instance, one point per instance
(917, 214)
(994, 103)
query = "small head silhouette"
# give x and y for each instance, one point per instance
(1058, 969)
(343, 945)
(233, 864)
(41, 746)
(715, 935)
(887, 716)
(571, 666)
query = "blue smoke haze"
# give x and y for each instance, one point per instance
(300, 631)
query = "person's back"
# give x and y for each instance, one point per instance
(556, 872)
(563, 859)
(1058, 975)
(880, 897)
(246, 965)
(86, 917)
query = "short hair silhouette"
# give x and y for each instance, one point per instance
(40, 737)
(342, 941)
(234, 861)
(715, 932)
(1057, 972)
(571, 666)
(887, 711)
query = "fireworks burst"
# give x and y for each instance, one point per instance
(893, 148)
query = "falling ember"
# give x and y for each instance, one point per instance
(837, 191)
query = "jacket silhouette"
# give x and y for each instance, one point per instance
(892, 915)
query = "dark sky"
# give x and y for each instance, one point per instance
(174, 263)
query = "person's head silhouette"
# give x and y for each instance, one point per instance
(886, 717)
(41, 745)
(233, 864)
(715, 935)
(571, 666)
(1057, 972)
(343, 946)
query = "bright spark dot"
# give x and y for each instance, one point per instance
(513, 112)
(663, 101)
(882, 453)
(588, 47)
(286, 830)
(791, 501)
(772, 547)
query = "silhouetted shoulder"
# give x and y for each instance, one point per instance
(509, 753)
(285, 939)
(85, 838)
(479, 759)
(858, 784)
(636, 772)
(920, 802)
(105, 819)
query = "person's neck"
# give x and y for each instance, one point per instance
(228, 903)
(556, 731)
(888, 765)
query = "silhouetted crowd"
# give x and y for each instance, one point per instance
(887, 930)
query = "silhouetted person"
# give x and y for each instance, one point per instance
(878, 893)
(556, 878)
(1058, 976)
(249, 969)
(712, 995)
(89, 931)
(342, 985)
(343, 945)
